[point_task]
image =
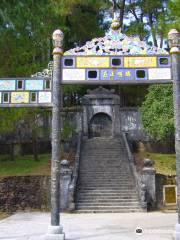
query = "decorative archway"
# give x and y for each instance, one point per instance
(100, 125)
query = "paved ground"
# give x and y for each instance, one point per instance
(117, 226)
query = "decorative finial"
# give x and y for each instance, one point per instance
(115, 25)
(173, 37)
(57, 38)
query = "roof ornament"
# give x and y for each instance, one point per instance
(115, 43)
(115, 25)
(46, 73)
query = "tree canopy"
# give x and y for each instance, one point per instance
(157, 112)
(26, 26)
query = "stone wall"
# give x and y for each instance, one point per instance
(24, 192)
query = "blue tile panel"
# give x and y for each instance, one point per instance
(7, 85)
(34, 85)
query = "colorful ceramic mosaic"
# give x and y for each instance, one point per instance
(7, 85)
(44, 97)
(136, 62)
(20, 97)
(115, 43)
(92, 62)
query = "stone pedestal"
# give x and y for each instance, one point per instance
(148, 178)
(65, 176)
(55, 233)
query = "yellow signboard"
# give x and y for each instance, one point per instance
(93, 62)
(169, 194)
(19, 97)
(140, 62)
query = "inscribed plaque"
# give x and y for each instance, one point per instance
(117, 74)
(93, 62)
(34, 85)
(7, 85)
(44, 97)
(170, 194)
(19, 97)
(142, 62)
(74, 74)
(159, 73)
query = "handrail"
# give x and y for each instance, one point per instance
(138, 180)
(75, 173)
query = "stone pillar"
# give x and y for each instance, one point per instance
(55, 231)
(174, 46)
(65, 180)
(148, 178)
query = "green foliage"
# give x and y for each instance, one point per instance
(24, 165)
(9, 119)
(164, 163)
(174, 7)
(68, 130)
(157, 112)
(26, 28)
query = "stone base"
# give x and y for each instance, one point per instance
(177, 231)
(55, 233)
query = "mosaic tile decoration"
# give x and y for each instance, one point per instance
(19, 97)
(34, 85)
(93, 62)
(115, 43)
(22, 95)
(159, 73)
(44, 97)
(139, 62)
(74, 74)
(7, 85)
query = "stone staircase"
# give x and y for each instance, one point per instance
(105, 180)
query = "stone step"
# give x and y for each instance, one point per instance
(101, 200)
(104, 207)
(91, 176)
(106, 183)
(107, 204)
(107, 172)
(108, 187)
(108, 193)
(81, 198)
(105, 187)
(110, 210)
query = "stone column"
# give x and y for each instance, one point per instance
(55, 231)
(65, 180)
(148, 178)
(174, 46)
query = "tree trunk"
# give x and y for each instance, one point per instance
(152, 30)
(122, 9)
(162, 40)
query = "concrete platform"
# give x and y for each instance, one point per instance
(106, 226)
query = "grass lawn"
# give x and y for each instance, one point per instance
(25, 165)
(164, 163)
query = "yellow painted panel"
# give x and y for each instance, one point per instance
(20, 97)
(93, 62)
(170, 195)
(142, 62)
